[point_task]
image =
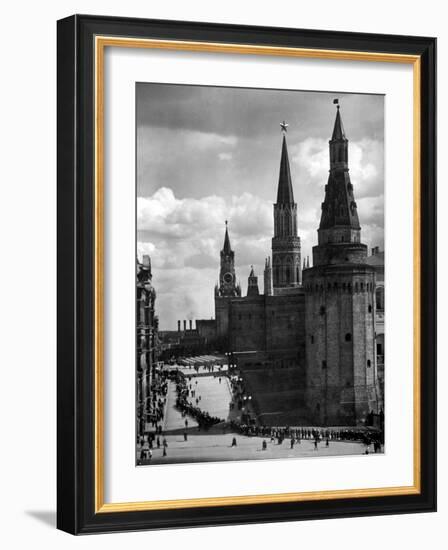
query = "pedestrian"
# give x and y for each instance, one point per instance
(315, 444)
(327, 443)
(149, 454)
(264, 445)
(186, 423)
(234, 442)
(292, 443)
(165, 443)
(164, 451)
(185, 436)
(158, 442)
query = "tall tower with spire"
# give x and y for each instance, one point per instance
(341, 376)
(287, 270)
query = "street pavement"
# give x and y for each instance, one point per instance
(216, 445)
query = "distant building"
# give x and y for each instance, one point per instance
(146, 344)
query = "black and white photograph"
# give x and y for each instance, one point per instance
(259, 274)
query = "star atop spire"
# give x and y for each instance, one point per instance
(338, 130)
(284, 127)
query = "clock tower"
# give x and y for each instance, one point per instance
(225, 291)
(227, 286)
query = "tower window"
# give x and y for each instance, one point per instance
(312, 338)
(348, 337)
(324, 364)
(369, 363)
(322, 310)
(379, 298)
(370, 308)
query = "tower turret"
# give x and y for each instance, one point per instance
(267, 277)
(339, 223)
(285, 243)
(252, 283)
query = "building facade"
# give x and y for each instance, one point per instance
(146, 344)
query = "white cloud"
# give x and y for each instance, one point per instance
(225, 156)
(184, 237)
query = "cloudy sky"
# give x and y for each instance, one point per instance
(207, 154)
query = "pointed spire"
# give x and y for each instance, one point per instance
(251, 274)
(338, 130)
(227, 248)
(307, 262)
(285, 194)
(339, 208)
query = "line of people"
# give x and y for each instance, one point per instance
(203, 418)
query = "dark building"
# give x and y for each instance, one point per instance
(146, 344)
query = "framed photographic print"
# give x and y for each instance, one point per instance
(246, 216)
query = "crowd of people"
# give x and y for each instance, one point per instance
(183, 404)
(296, 434)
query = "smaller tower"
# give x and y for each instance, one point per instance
(267, 277)
(252, 283)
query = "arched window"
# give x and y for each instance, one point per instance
(348, 337)
(379, 298)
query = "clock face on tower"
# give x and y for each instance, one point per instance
(228, 278)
